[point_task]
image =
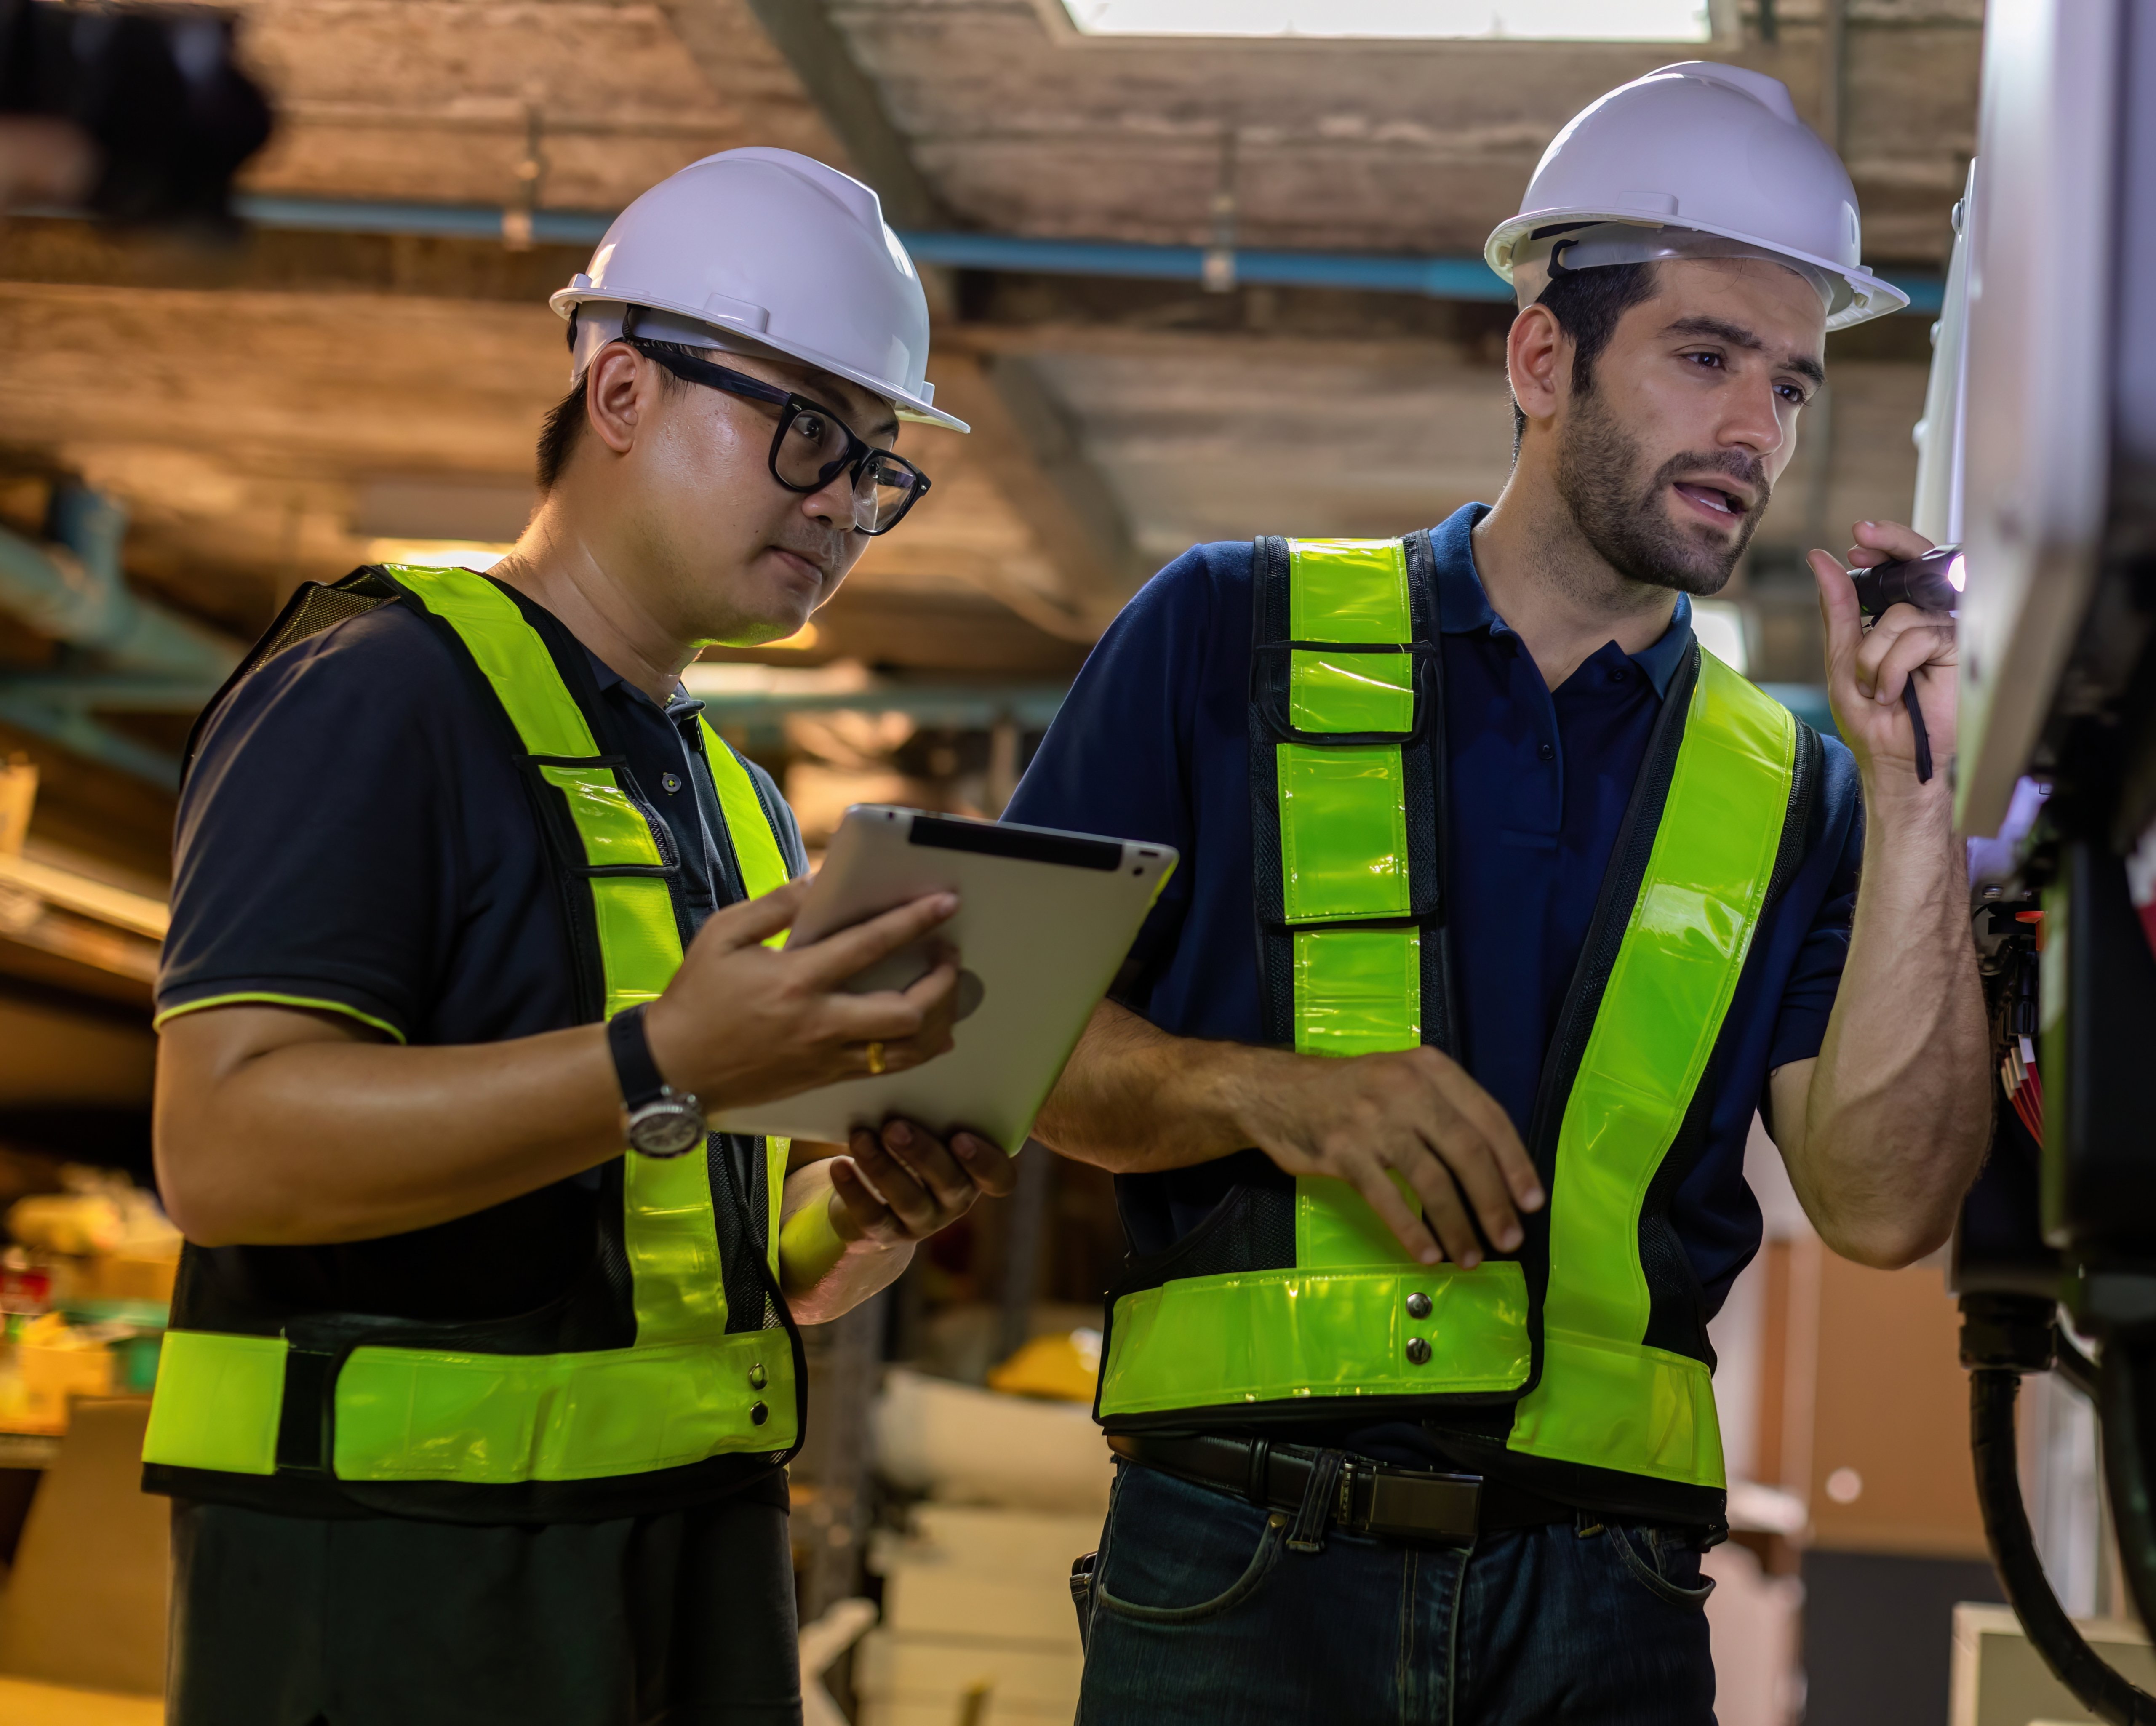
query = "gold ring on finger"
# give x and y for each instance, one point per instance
(876, 1068)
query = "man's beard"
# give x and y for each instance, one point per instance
(1628, 522)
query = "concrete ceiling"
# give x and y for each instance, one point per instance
(254, 407)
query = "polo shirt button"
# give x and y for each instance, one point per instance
(1547, 751)
(672, 781)
(1616, 676)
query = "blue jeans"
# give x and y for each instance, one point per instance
(1201, 1615)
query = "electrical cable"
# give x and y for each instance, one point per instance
(1992, 1393)
(2123, 1389)
(2076, 1368)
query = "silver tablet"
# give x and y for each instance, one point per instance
(1044, 921)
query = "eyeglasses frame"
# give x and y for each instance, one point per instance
(791, 406)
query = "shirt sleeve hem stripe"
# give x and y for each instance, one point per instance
(276, 1000)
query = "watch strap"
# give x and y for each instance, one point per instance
(633, 1065)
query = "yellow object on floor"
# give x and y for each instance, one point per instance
(25, 1703)
(53, 1365)
(1065, 1367)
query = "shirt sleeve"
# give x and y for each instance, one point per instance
(1816, 978)
(1116, 760)
(318, 862)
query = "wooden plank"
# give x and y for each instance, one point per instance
(986, 1575)
(895, 1669)
(851, 105)
(1029, 444)
(25, 1703)
(1392, 146)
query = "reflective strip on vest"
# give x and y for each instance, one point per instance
(686, 1389)
(1336, 1325)
(1606, 1398)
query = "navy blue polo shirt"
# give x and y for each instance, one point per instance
(356, 837)
(1152, 744)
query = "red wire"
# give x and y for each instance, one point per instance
(2027, 1098)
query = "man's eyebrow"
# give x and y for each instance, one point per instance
(880, 429)
(1737, 335)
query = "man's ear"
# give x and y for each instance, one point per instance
(617, 395)
(1536, 352)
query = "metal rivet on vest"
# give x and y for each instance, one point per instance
(1418, 1351)
(756, 1380)
(758, 1413)
(1418, 1305)
(672, 781)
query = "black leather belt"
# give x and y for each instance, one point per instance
(1368, 1498)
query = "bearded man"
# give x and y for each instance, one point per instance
(1434, 1167)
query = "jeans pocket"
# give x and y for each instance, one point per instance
(1652, 1569)
(1253, 1578)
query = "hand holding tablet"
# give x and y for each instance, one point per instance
(1044, 921)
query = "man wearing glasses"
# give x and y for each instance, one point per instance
(468, 1413)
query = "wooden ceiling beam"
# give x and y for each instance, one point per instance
(850, 103)
(1023, 439)
(1028, 443)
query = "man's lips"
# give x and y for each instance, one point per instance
(800, 563)
(1722, 503)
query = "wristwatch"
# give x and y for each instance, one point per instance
(662, 1121)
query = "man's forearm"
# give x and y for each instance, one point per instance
(1135, 1098)
(1897, 1112)
(334, 1138)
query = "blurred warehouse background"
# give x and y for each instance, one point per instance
(1186, 287)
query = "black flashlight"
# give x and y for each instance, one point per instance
(1932, 582)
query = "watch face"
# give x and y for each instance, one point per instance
(665, 1129)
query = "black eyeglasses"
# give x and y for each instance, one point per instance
(814, 446)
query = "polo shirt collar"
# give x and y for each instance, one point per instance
(1464, 608)
(679, 706)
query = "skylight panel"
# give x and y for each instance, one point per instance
(1429, 20)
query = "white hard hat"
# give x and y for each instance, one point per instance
(1694, 160)
(762, 248)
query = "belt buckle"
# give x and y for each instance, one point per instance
(1440, 1506)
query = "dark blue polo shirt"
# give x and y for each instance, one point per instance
(1152, 744)
(354, 836)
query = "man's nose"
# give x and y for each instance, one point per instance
(833, 504)
(1755, 421)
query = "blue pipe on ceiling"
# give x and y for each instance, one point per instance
(137, 654)
(1437, 278)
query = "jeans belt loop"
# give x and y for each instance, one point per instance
(1319, 1495)
(1258, 1487)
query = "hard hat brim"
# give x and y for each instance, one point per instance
(1871, 297)
(910, 407)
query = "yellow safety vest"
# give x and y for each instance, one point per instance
(506, 1415)
(1584, 1352)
